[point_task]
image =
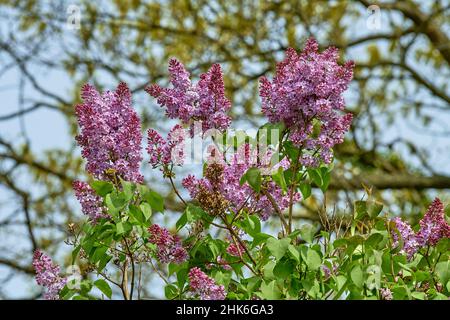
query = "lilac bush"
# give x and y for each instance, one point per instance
(218, 248)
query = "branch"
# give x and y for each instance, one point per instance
(390, 181)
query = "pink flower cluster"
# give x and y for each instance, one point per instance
(433, 227)
(238, 195)
(164, 152)
(47, 275)
(306, 95)
(204, 101)
(410, 244)
(110, 133)
(236, 250)
(91, 203)
(205, 287)
(168, 246)
(386, 294)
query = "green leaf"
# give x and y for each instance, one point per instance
(136, 213)
(292, 151)
(104, 287)
(443, 271)
(155, 200)
(443, 245)
(251, 225)
(146, 210)
(260, 238)
(360, 210)
(278, 177)
(122, 227)
(283, 269)
(170, 291)
(278, 247)
(420, 275)
(103, 262)
(305, 189)
(102, 188)
(243, 179)
(313, 260)
(374, 209)
(270, 291)
(99, 253)
(182, 221)
(253, 176)
(342, 242)
(314, 175)
(357, 276)
(118, 200)
(128, 189)
(294, 252)
(326, 177)
(75, 253)
(307, 232)
(419, 295)
(85, 286)
(373, 240)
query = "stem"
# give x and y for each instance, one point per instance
(109, 279)
(176, 191)
(158, 272)
(130, 254)
(291, 191)
(236, 237)
(139, 281)
(124, 285)
(277, 209)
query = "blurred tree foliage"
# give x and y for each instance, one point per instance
(402, 71)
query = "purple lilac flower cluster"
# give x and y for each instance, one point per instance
(169, 247)
(329, 272)
(238, 195)
(306, 95)
(110, 133)
(164, 152)
(410, 244)
(204, 101)
(433, 227)
(205, 287)
(47, 275)
(236, 250)
(91, 203)
(386, 294)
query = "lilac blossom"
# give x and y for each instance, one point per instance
(47, 275)
(204, 101)
(242, 196)
(433, 226)
(407, 235)
(236, 250)
(110, 134)
(386, 294)
(306, 95)
(91, 203)
(168, 246)
(205, 287)
(164, 152)
(329, 272)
